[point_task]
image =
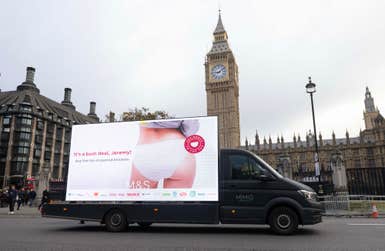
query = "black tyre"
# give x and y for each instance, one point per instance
(145, 224)
(283, 220)
(116, 221)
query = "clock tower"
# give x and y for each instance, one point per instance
(222, 88)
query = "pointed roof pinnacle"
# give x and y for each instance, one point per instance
(219, 28)
(367, 93)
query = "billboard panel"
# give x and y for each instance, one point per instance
(158, 160)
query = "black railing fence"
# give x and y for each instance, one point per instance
(366, 181)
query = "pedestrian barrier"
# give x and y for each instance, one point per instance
(345, 204)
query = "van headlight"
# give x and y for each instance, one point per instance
(310, 196)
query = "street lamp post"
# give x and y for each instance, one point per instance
(310, 88)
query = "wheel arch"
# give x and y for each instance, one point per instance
(284, 202)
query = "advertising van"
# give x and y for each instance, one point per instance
(172, 171)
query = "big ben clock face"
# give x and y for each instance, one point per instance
(218, 71)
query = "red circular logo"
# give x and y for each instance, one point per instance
(194, 144)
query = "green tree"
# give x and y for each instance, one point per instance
(144, 114)
(139, 114)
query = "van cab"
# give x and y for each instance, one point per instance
(252, 192)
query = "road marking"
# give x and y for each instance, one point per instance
(366, 224)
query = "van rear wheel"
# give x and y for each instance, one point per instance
(283, 220)
(116, 221)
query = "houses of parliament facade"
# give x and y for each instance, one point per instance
(338, 156)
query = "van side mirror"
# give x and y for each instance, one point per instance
(265, 177)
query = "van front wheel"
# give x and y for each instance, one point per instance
(283, 220)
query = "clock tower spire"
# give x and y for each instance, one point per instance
(222, 89)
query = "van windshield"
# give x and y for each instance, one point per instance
(268, 167)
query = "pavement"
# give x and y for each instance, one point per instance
(24, 211)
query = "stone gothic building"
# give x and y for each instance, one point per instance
(295, 159)
(35, 133)
(222, 88)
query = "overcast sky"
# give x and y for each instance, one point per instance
(125, 54)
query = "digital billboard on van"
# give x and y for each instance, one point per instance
(158, 160)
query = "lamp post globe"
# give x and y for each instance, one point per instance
(310, 87)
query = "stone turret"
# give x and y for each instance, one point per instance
(282, 142)
(257, 143)
(369, 102)
(347, 137)
(370, 113)
(270, 143)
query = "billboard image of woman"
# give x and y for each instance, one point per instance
(160, 154)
